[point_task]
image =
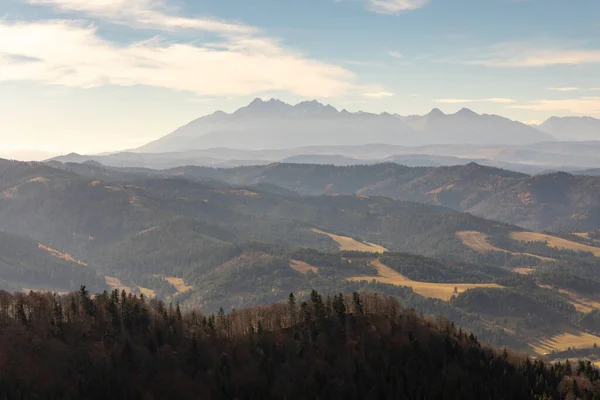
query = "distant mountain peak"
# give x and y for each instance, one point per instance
(259, 107)
(256, 102)
(436, 112)
(314, 107)
(218, 114)
(466, 112)
(309, 105)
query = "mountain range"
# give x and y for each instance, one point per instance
(310, 132)
(274, 124)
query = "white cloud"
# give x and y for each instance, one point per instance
(574, 89)
(152, 14)
(565, 89)
(379, 95)
(580, 106)
(394, 6)
(490, 100)
(535, 55)
(395, 54)
(241, 61)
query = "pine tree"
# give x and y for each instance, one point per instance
(292, 309)
(358, 307)
(178, 312)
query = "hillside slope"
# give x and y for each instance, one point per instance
(556, 201)
(27, 264)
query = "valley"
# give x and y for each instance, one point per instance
(211, 239)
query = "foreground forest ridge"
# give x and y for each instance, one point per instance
(361, 346)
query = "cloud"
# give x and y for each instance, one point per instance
(580, 106)
(395, 54)
(394, 6)
(535, 55)
(379, 95)
(73, 55)
(574, 89)
(490, 100)
(152, 14)
(565, 89)
(240, 61)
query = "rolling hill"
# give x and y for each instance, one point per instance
(554, 201)
(26, 264)
(203, 242)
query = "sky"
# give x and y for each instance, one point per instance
(93, 76)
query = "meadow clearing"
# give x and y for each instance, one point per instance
(443, 291)
(349, 244)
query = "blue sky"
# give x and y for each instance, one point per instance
(101, 75)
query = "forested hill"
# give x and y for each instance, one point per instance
(208, 244)
(157, 216)
(363, 346)
(555, 202)
(25, 263)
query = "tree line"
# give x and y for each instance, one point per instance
(358, 346)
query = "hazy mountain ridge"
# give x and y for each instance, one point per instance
(572, 128)
(534, 158)
(274, 124)
(468, 127)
